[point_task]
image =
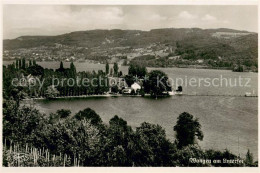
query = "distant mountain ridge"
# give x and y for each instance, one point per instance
(217, 47)
(92, 38)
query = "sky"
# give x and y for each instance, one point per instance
(21, 20)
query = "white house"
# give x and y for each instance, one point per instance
(135, 86)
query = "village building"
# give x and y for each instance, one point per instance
(135, 86)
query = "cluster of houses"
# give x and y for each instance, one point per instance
(123, 87)
(135, 88)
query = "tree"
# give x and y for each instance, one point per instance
(61, 65)
(34, 62)
(16, 64)
(118, 156)
(142, 93)
(186, 129)
(89, 114)
(72, 69)
(131, 70)
(120, 74)
(18, 94)
(157, 83)
(220, 155)
(23, 63)
(179, 88)
(111, 72)
(114, 89)
(30, 63)
(63, 113)
(51, 92)
(115, 69)
(129, 80)
(107, 68)
(35, 70)
(137, 70)
(157, 148)
(119, 122)
(249, 158)
(61, 69)
(119, 144)
(183, 156)
(18, 124)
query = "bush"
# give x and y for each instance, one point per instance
(89, 114)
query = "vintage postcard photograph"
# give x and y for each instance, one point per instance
(103, 85)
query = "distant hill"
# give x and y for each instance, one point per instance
(118, 37)
(191, 43)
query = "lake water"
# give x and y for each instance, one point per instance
(227, 121)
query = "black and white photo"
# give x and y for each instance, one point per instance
(88, 85)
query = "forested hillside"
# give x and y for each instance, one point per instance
(207, 47)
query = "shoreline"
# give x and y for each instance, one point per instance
(122, 95)
(83, 96)
(181, 67)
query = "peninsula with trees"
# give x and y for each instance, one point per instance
(67, 82)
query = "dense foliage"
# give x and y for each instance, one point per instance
(35, 81)
(84, 140)
(157, 83)
(68, 81)
(187, 129)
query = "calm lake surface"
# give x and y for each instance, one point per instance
(227, 121)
